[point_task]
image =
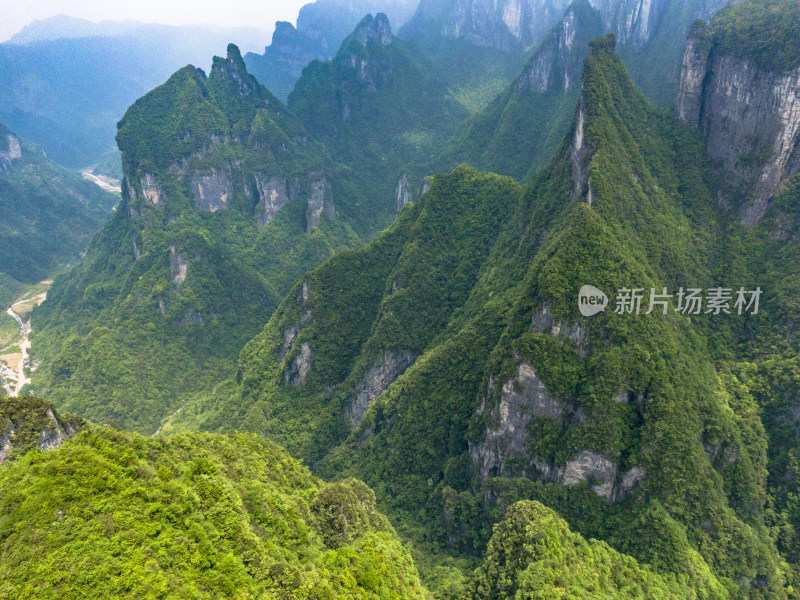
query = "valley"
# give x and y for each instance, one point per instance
(15, 361)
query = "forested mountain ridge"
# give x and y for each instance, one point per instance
(226, 200)
(192, 516)
(321, 28)
(497, 390)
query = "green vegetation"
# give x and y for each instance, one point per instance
(170, 290)
(382, 109)
(27, 423)
(193, 516)
(764, 31)
(48, 215)
(656, 395)
(534, 555)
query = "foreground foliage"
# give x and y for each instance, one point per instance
(116, 515)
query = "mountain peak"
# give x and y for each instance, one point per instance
(374, 30)
(233, 67)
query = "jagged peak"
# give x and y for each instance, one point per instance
(233, 67)
(374, 30)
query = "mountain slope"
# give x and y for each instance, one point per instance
(518, 132)
(226, 201)
(48, 214)
(380, 108)
(633, 426)
(321, 28)
(197, 516)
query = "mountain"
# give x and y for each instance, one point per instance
(518, 132)
(194, 516)
(505, 25)
(739, 92)
(226, 202)
(27, 423)
(381, 108)
(447, 363)
(321, 28)
(521, 128)
(48, 214)
(68, 94)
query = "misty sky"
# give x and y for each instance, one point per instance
(15, 14)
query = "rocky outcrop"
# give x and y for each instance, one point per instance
(580, 154)
(557, 64)
(320, 201)
(272, 196)
(749, 118)
(377, 379)
(28, 423)
(505, 452)
(374, 30)
(12, 152)
(212, 191)
(297, 373)
(543, 322)
(402, 193)
(178, 266)
(506, 437)
(150, 189)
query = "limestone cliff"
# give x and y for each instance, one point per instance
(749, 116)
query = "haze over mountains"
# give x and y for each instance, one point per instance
(381, 274)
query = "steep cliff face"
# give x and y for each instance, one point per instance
(505, 25)
(748, 112)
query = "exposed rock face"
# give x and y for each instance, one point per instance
(297, 373)
(590, 465)
(13, 152)
(580, 154)
(178, 266)
(150, 189)
(376, 380)
(374, 30)
(402, 193)
(29, 424)
(524, 397)
(543, 322)
(212, 192)
(749, 118)
(272, 196)
(556, 66)
(500, 24)
(320, 200)
(507, 439)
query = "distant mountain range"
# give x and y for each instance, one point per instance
(66, 93)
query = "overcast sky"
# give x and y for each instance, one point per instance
(15, 14)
